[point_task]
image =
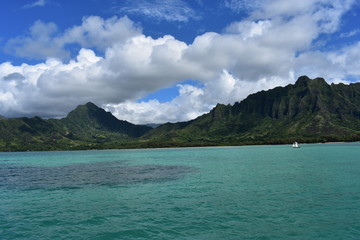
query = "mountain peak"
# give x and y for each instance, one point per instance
(93, 118)
(91, 105)
(303, 79)
(306, 81)
(84, 111)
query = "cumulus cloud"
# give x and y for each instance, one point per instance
(335, 66)
(192, 101)
(117, 64)
(41, 43)
(14, 76)
(96, 32)
(128, 70)
(45, 41)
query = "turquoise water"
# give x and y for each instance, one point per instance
(252, 192)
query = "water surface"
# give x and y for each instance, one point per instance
(254, 192)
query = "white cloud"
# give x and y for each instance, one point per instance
(45, 40)
(38, 3)
(268, 49)
(192, 101)
(242, 5)
(249, 29)
(335, 66)
(160, 10)
(42, 42)
(350, 34)
(128, 70)
(96, 32)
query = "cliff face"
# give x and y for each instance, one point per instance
(311, 110)
(305, 97)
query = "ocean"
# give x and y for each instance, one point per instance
(247, 192)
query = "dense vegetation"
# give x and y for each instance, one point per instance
(308, 111)
(86, 127)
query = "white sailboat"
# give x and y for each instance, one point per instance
(295, 145)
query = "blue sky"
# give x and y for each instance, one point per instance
(167, 60)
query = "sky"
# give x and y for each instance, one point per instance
(157, 61)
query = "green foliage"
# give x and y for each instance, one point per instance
(86, 127)
(308, 111)
(91, 122)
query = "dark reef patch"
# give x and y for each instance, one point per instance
(87, 175)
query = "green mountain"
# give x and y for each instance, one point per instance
(88, 126)
(308, 111)
(91, 122)
(20, 134)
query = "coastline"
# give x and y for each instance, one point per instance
(175, 147)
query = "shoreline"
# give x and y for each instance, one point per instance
(175, 147)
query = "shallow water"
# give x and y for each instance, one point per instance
(254, 192)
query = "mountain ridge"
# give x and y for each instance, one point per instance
(310, 110)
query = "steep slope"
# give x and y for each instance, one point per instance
(87, 126)
(310, 110)
(91, 122)
(19, 134)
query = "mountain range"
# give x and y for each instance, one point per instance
(310, 110)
